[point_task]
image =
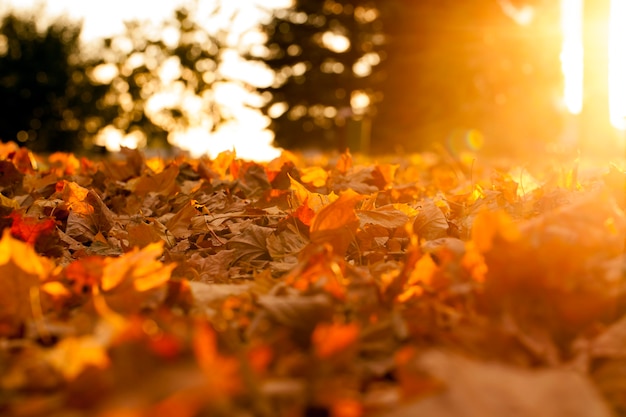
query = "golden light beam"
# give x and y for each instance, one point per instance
(617, 64)
(572, 54)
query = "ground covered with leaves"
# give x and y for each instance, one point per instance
(425, 285)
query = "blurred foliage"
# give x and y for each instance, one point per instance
(47, 101)
(162, 78)
(147, 82)
(323, 53)
(448, 70)
(423, 72)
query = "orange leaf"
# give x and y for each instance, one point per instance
(85, 273)
(140, 267)
(74, 195)
(222, 372)
(330, 339)
(491, 225)
(64, 163)
(474, 262)
(337, 222)
(346, 407)
(21, 273)
(344, 163)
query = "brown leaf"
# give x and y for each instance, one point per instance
(430, 222)
(163, 183)
(296, 312)
(385, 216)
(251, 244)
(611, 343)
(212, 268)
(489, 389)
(253, 180)
(179, 224)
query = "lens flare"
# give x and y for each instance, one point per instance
(461, 141)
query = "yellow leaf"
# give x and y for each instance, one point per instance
(139, 267)
(55, 289)
(8, 202)
(74, 354)
(316, 176)
(23, 256)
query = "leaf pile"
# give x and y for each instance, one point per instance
(421, 286)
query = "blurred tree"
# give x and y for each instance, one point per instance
(325, 55)
(46, 97)
(162, 79)
(437, 71)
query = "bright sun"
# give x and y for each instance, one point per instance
(572, 19)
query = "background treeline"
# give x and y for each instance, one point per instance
(406, 74)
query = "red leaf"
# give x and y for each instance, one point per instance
(30, 229)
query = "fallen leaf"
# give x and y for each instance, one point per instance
(21, 273)
(472, 388)
(332, 339)
(430, 222)
(336, 223)
(73, 355)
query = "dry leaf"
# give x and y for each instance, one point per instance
(473, 388)
(336, 223)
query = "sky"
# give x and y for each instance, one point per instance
(105, 18)
(250, 138)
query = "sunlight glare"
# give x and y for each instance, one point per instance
(248, 143)
(359, 101)
(335, 42)
(113, 139)
(572, 54)
(617, 64)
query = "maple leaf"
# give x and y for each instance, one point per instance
(21, 274)
(313, 201)
(136, 279)
(30, 229)
(319, 267)
(389, 216)
(253, 179)
(179, 224)
(88, 214)
(336, 224)
(251, 244)
(430, 222)
(163, 183)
